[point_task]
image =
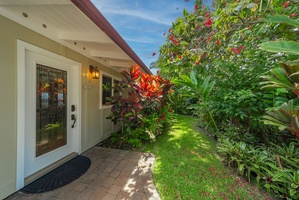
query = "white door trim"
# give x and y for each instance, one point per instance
(21, 58)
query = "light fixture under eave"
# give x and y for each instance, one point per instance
(95, 74)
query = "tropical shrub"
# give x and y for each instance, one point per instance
(286, 77)
(140, 105)
(199, 90)
(222, 44)
(275, 168)
(248, 160)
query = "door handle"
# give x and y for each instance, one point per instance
(73, 117)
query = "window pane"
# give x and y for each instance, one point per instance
(51, 109)
(106, 89)
(115, 82)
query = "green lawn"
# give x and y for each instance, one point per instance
(187, 166)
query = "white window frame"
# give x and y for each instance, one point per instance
(102, 73)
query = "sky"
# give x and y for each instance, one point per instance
(143, 24)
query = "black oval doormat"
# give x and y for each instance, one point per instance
(60, 176)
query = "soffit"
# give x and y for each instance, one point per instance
(63, 22)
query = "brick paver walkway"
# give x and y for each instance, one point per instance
(113, 175)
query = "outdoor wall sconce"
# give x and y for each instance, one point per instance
(95, 74)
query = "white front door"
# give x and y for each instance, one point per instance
(51, 115)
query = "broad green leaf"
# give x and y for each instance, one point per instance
(196, 106)
(193, 78)
(277, 79)
(292, 192)
(289, 47)
(207, 87)
(129, 114)
(282, 19)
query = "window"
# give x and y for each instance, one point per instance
(106, 88)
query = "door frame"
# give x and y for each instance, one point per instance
(22, 47)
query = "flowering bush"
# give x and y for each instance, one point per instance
(224, 43)
(141, 105)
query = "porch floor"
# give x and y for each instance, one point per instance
(113, 175)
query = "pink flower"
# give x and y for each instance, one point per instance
(286, 4)
(208, 23)
(293, 15)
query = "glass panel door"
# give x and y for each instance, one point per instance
(51, 109)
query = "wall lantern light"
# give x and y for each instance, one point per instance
(95, 74)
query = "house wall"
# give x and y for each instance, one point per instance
(93, 124)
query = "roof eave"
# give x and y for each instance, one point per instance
(88, 8)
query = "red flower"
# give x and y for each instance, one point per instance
(286, 4)
(207, 15)
(208, 39)
(154, 53)
(208, 23)
(293, 15)
(196, 7)
(180, 56)
(234, 50)
(237, 51)
(249, 27)
(218, 42)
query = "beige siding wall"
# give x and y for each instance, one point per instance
(92, 123)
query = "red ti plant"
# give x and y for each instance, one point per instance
(139, 95)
